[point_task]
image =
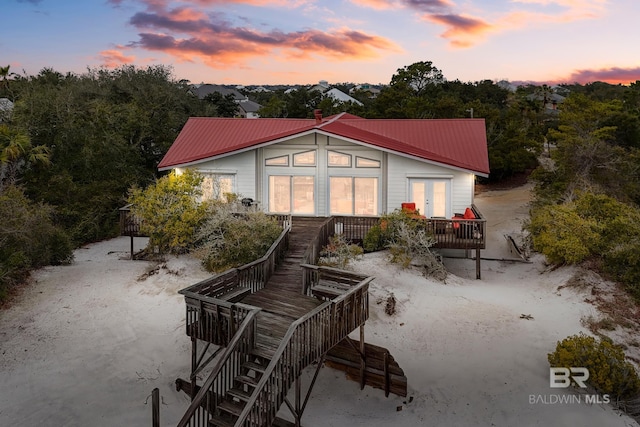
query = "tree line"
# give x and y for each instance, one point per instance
(75, 144)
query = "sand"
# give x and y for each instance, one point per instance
(84, 345)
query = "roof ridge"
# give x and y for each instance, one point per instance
(333, 119)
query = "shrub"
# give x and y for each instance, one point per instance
(562, 235)
(408, 240)
(609, 372)
(227, 240)
(338, 252)
(28, 238)
(170, 211)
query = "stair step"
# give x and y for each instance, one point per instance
(239, 394)
(230, 407)
(245, 379)
(263, 352)
(219, 421)
(254, 366)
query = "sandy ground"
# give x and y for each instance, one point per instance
(85, 344)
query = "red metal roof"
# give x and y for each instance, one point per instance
(456, 142)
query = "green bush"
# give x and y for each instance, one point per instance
(609, 372)
(170, 211)
(593, 225)
(227, 240)
(28, 238)
(562, 235)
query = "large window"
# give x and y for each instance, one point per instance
(353, 195)
(216, 186)
(291, 194)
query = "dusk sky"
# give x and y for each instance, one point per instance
(304, 41)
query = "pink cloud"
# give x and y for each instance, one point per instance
(613, 75)
(113, 58)
(189, 34)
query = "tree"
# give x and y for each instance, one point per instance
(105, 131)
(17, 154)
(225, 105)
(170, 211)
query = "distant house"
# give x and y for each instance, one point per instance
(321, 87)
(339, 165)
(548, 100)
(339, 95)
(246, 108)
(371, 91)
(249, 109)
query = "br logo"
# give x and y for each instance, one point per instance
(563, 377)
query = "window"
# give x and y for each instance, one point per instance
(216, 186)
(336, 159)
(362, 162)
(277, 161)
(306, 158)
(353, 195)
(292, 194)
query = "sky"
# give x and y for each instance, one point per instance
(260, 42)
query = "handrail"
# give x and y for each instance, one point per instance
(253, 275)
(244, 337)
(292, 355)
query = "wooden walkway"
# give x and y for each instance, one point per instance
(281, 300)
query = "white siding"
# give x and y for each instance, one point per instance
(251, 173)
(402, 168)
(242, 166)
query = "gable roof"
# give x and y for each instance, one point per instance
(458, 143)
(206, 89)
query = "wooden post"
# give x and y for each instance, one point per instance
(387, 380)
(478, 263)
(298, 413)
(155, 407)
(362, 358)
(132, 246)
(194, 365)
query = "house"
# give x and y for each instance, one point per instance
(246, 108)
(340, 96)
(340, 165)
(372, 92)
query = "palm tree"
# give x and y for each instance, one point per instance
(16, 152)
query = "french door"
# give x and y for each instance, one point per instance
(432, 196)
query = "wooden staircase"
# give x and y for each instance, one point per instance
(236, 398)
(268, 337)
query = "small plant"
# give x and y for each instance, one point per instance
(609, 371)
(339, 252)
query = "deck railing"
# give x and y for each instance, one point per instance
(317, 273)
(306, 340)
(454, 233)
(213, 320)
(312, 253)
(222, 377)
(253, 275)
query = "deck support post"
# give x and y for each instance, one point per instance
(363, 358)
(478, 264)
(194, 365)
(298, 413)
(131, 246)
(300, 406)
